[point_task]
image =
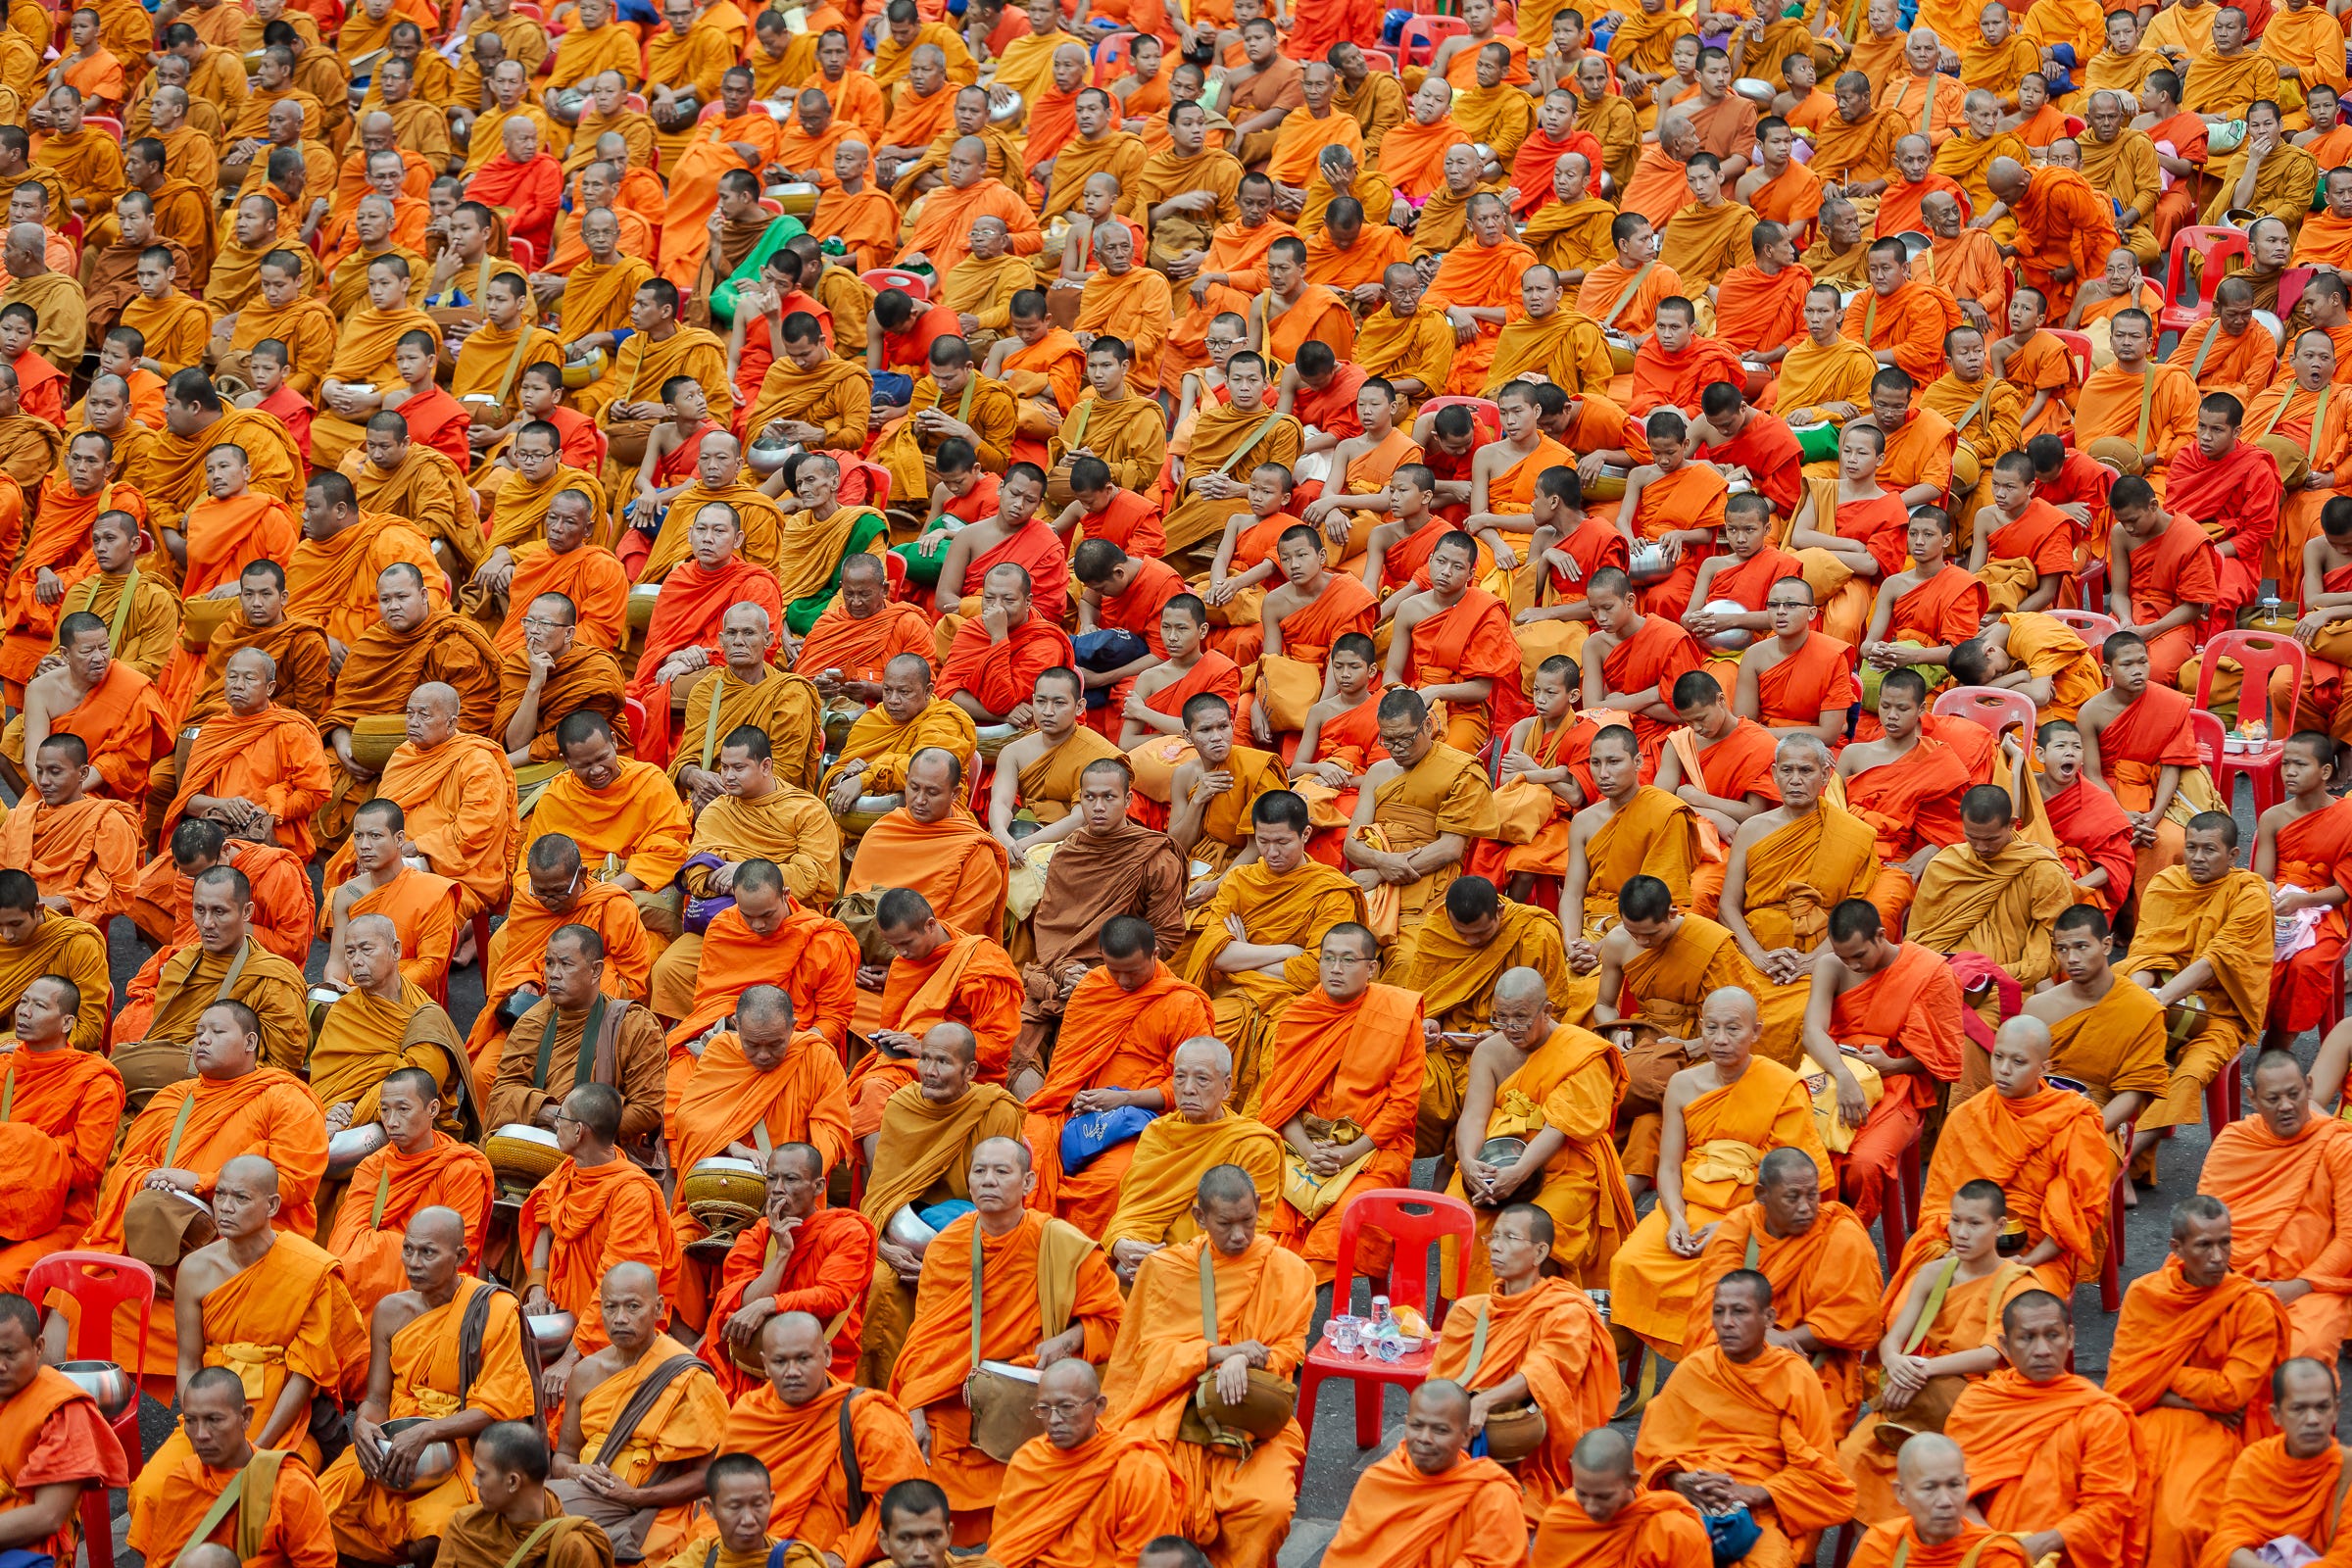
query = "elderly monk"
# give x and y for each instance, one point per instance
(1052, 1297)
(1994, 893)
(276, 1514)
(2196, 938)
(930, 844)
(55, 297)
(550, 674)
(164, 1002)
(993, 663)
(68, 1446)
(1121, 1028)
(1455, 957)
(2054, 1459)
(1532, 1338)
(81, 850)
(624, 1052)
(2042, 1145)
(1262, 917)
(1933, 1524)
(446, 1344)
(456, 792)
(1083, 1491)
(905, 718)
(922, 1156)
(829, 1449)
(2197, 1344)
(797, 1256)
(419, 1168)
(1743, 1422)
(66, 1101)
(1721, 1117)
(642, 1417)
(2283, 1488)
(1823, 1270)
(272, 1308)
(1607, 1517)
(858, 634)
(712, 588)
(1174, 1152)
(1261, 1297)
(1788, 866)
(2286, 1177)
(99, 700)
(596, 1210)
(1343, 1087)
(1557, 1089)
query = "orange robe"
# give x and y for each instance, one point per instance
(388, 1190)
(1765, 1423)
(2064, 1454)
(598, 1215)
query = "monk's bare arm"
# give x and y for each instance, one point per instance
(1830, 978)
(1488, 1069)
(948, 596)
(1612, 985)
(2119, 576)
(2091, 727)
(1671, 1144)
(1735, 890)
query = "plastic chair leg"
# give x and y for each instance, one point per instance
(1369, 1398)
(97, 1529)
(1310, 1383)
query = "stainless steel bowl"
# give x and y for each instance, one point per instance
(1914, 242)
(1502, 1150)
(907, 1230)
(1736, 638)
(1004, 106)
(103, 1381)
(552, 1331)
(348, 1148)
(436, 1464)
(1649, 565)
(1756, 90)
(766, 457)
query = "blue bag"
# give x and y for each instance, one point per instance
(1085, 1138)
(1104, 649)
(1733, 1534)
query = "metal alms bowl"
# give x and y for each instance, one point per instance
(1756, 90)
(766, 457)
(907, 1230)
(436, 1464)
(552, 1331)
(1734, 639)
(106, 1382)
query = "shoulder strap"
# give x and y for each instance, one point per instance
(522, 346)
(2213, 332)
(710, 722)
(1245, 449)
(605, 1064)
(1478, 1348)
(852, 1477)
(2343, 1485)
(976, 1269)
(533, 1539)
(179, 1125)
(2287, 395)
(231, 1495)
(8, 1092)
(964, 405)
(236, 971)
(471, 1329)
(383, 1195)
(2147, 402)
(1074, 431)
(1935, 1303)
(1208, 1296)
(1753, 1252)
(641, 1403)
(130, 592)
(1630, 289)
(2318, 420)
(585, 1062)
(252, 1510)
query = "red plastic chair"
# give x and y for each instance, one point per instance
(1381, 60)
(1391, 1210)
(1417, 44)
(912, 284)
(636, 102)
(1111, 56)
(120, 1280)
(523, 254)
(2077, 351)
(1993, 706)
(105, 123)
(2256, 654)
(768, 204)
(2207, 729)
(2090, 626)
(640, 725)
(2213, 245)
(1898, 1211)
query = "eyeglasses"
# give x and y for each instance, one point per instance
(1769, 603)
(1340, 961)
(1064, 1408)
(542, 624)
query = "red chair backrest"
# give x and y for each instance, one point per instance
(1993, 706)
(2077, 351)
(2091, 626)
(640, 723)
(2214, 245)
(2257, 654)
(2207, 728)
(1381, 60)
(1419, 40)
(1110, 55)
(116, 1280)
(1413, 1219)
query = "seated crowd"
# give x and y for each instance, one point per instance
(1032, 647)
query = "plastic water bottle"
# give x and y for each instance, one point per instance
(1387, 1336)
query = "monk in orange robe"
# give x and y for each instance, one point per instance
(1480, 281)
(595, 1210)
(2050, 1452)
(420, 1167)
(2285, 1486)
(2061, 223)
(1432, 1501)
(65, 1105)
